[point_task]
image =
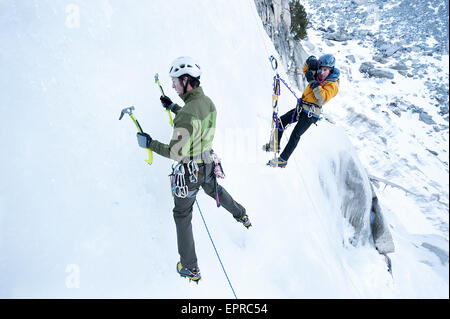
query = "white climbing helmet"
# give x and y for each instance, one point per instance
(185, 65)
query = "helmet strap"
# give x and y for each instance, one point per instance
(184, 84)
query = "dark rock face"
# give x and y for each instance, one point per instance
(276, 19)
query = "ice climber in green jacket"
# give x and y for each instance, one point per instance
(196, 164)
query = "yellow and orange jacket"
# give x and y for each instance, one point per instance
(327, 89)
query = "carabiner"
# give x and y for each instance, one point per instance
(272, 59)
(193, 171)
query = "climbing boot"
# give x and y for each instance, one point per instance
(277, 162)
(245, 221)
(192, 274)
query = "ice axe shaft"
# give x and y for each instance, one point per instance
(159, 84)
(162, 92)
(129, 111)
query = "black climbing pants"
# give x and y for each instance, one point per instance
(304, 122)
(182, 212)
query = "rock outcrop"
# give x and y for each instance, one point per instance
(276, 19)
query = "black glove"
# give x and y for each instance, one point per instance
(313, 63)
(314, 84)
(310, 76)
(143, 139)
(166, 102)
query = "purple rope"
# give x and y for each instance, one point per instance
(289, 88)
(278, 126)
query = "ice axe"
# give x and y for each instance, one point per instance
(129, 111)
(162, 92)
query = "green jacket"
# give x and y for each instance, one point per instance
(193, 128)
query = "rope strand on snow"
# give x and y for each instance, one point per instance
(223, 268)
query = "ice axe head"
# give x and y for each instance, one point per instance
(159, 84)
(127, 110)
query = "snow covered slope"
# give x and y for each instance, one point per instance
(394, 60)
(82, 215)
(393, 104)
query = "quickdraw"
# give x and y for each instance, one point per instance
(193, 171)
(178, 179)
(178, 182)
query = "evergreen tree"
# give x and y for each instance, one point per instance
(299, 20)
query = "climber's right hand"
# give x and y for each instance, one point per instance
(166, 102)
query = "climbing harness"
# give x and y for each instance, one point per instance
(309, 108)
(178, 176)
(178, 179)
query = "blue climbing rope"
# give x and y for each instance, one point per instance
(207, 230)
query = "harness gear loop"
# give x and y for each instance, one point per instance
(309, 108)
